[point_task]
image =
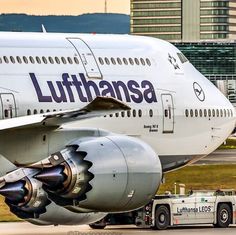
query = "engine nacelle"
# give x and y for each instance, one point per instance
(57, 215)
(109, 174)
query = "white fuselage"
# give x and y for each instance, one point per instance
(174, 108)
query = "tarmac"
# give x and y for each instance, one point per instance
(220, 157)
(24, 228)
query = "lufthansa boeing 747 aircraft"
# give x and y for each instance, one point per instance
(139, 109)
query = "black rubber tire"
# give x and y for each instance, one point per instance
(97, 226)
(224, 216)
(162, 218)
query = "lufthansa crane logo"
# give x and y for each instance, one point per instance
(198, 91)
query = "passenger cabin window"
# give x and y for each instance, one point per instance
(76, 60)
(25, 59)
(51, 60)
(125, 61)
(140, 113)
(38, 60)
(31, 59)
(142, 61)
(101, 61)
(119, 61)
(63, 60)
(128, 113)
(151, 113)
(18, 59)
(44, 60)
(6, 59)
(113, 61)
(69, 60)
(148, 62)
(57, 60)
(107, 61)
(136, 61)
(131, 61)
(12, 59)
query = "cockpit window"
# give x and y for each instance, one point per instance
(182, 58)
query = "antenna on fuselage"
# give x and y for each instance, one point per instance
(43, 29)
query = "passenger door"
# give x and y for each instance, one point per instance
(8, 105)
(87, 57)
(168, 113)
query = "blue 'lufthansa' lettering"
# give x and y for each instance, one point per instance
(70, 87)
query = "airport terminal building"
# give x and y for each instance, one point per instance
(204, 30)
(184, 20)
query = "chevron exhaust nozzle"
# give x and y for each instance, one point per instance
(52, 177)
(14, 191)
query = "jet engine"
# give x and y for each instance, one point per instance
(24, 194)
(27, 199)
(109, 174)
